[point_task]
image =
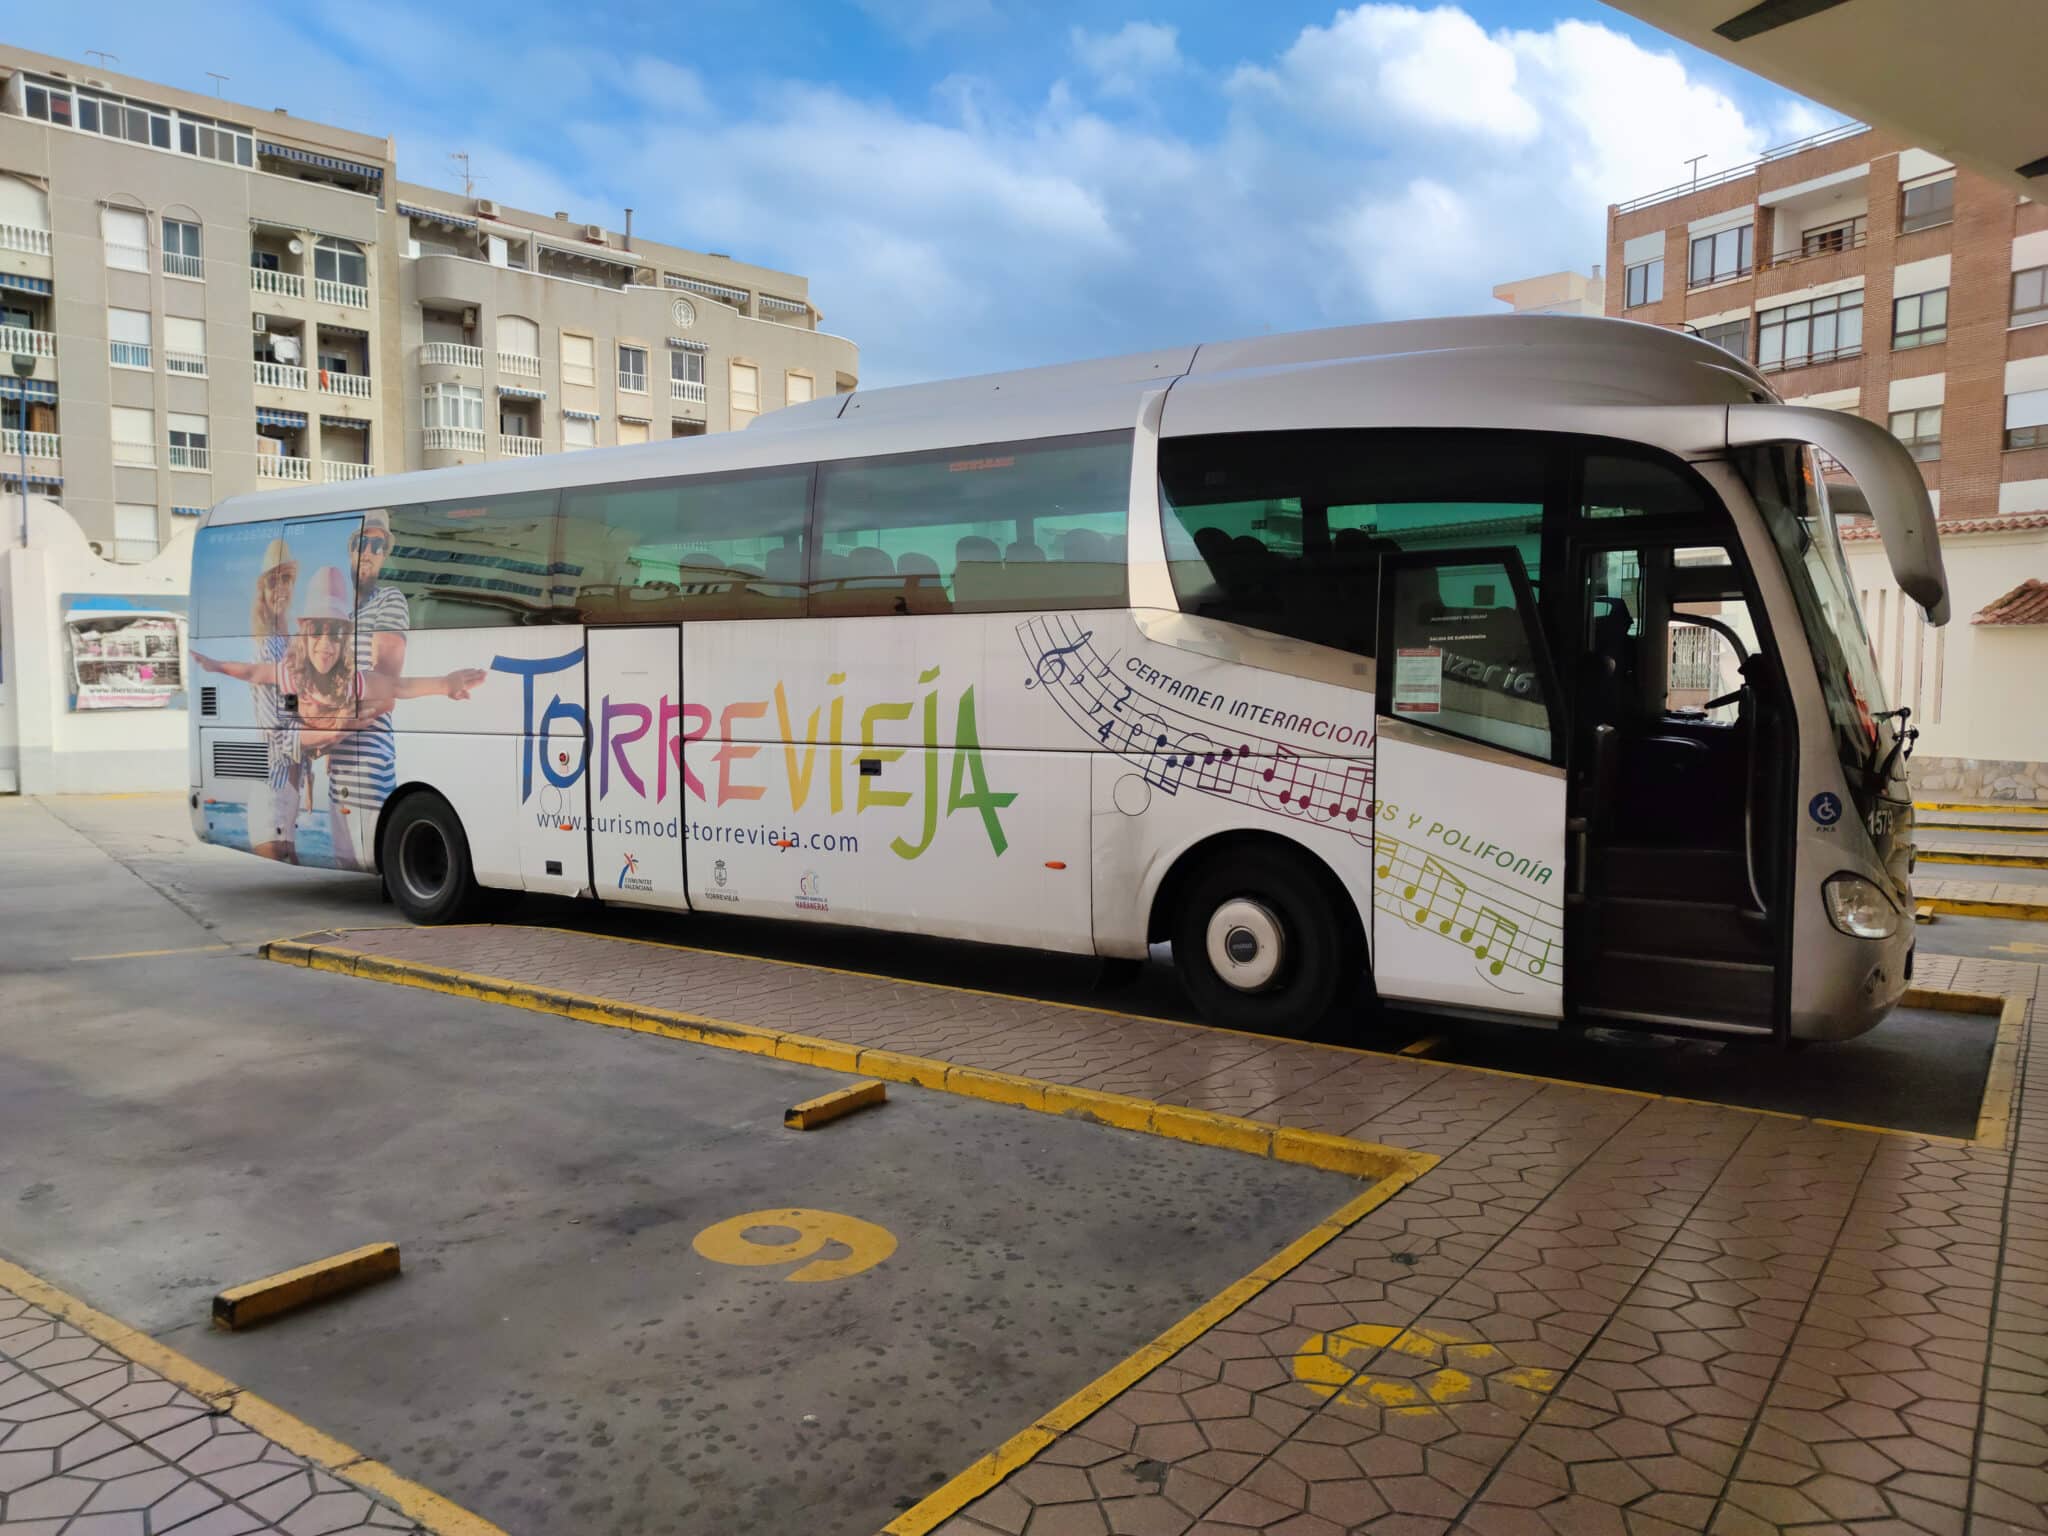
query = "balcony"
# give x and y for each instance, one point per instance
(23, 237)
(190, 363)
(14, 340)
(334, 471)
(277, 466)
(178, 264)
(452, 354)
(41, 445)
(453, 440)
(280, 376)
(522, 364)
(686, 389)
(128, 354)
(127, 258)
(191, 458)
(517, 446)
(287, 285)
(127, 451)
(348, 295)
(356, 386)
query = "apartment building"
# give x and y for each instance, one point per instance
(1555, 293)
(199, 298)
(1869, 275)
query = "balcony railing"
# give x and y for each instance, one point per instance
(516, 445)
(524, 364)
(685, 389)
(1827, 243)
(1736, 173)
(453, 354)
(15, 339)
(280, 376)
(348, 295)
(41, 445)
(126, 257)
(185, 362)
(129, 452)
(354, 385)
(334, 471)
(23, 237)
(288, 285)
(453, 439)
(178, 264)
(278, 466)
(1812, 359)
(128, 354)
(191, 458)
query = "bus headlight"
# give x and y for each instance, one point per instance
(1859, 908)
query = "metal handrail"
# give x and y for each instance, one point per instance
(1736, 173)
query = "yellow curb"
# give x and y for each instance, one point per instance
(2003, 829)
(2001, 1079)
(951, 1497)
(827, 1107)
(243, 1306)
(1980, 806)
(2013, 911)
(1986, 860)
(437, 1514)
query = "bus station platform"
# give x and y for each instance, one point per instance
(1592, 1310)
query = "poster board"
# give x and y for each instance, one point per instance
(125, 653)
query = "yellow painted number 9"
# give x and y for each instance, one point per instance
(866, 1245)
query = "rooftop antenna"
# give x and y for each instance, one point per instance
(104, 58)
(1694, 162)
(469, 180)
(218, 80)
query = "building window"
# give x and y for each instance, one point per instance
(188, 442)
(746, 393)
(134, 435)
(459, 406)
(184, 345)
(633, 370)
(1843, 235)
(1716, 258)
(1811, 331)
(578, 360)
(1927, 202)
(1920, 431)
(1731, 337)
(632, 431)
(128, 338)
(340, 261)
(209, 140)
(182, 252)
(1920, 319)
(1645, 283)
(686, 367)
(2026, 419)
(135, 536)
(125, 234)
(798, 388)
(578, 432)
(2030, 296)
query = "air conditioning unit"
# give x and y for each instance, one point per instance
(486, 208)
(593, 231)
(259, 323)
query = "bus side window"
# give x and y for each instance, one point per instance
(713, 547)
(994, 528)
(476, 564)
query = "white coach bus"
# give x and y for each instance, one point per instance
(1503, 665)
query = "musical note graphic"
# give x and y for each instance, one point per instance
(1052, 665)
(1510, 935)
(1488, 928)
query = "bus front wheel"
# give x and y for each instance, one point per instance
(426, 861)
(1262, 944)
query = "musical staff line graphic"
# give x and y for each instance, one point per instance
(1515, 939)
(1174, 750)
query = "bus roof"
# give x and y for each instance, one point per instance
(1484, 370)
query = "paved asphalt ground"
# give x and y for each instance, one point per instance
(558, 1355)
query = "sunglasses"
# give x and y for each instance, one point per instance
(376, 543)
(327, 629)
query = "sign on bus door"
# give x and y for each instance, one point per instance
(633, 779)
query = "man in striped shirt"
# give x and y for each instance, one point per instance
(362, 769)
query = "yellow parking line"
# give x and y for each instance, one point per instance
(1990, 860)
(151, 954)
(1981, 806)
(437, 1514)
(2012, 911)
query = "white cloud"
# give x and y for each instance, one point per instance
(1122, 63)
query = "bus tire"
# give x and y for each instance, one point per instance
(426, 861)
(1262, 943)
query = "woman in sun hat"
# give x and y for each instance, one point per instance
(274, 812)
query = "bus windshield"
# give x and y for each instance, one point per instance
(1810, 550)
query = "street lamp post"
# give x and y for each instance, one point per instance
(24, 365)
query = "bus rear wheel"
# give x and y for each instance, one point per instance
(1262, 944)
(426, 861)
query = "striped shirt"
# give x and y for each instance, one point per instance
(362, 768)
(269, 699)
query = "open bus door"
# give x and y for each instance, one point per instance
(1468, 853)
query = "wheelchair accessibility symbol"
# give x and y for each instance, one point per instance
(1825, 808)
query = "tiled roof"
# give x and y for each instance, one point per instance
(2026, 603)
(1949, 525)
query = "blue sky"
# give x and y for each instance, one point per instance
(978, 184)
